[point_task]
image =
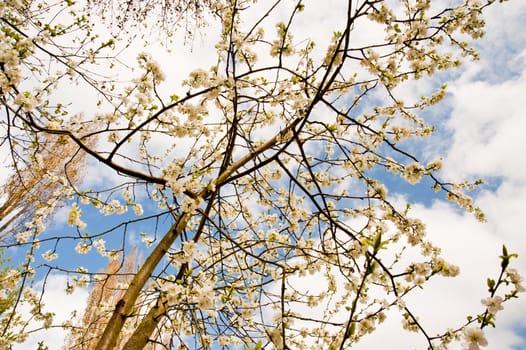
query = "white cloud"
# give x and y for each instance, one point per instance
(4, 164)
(443, 302)
(57, 301)
(488, 122)
(475, 247)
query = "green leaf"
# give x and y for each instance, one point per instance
(258, 346)
(371, 267)
(352, 329)
(504, 250)
(377, 240)
(491, 285)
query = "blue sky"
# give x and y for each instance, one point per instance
(480, 128)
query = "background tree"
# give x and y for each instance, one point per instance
(31, 190)
(166, 15)
(9, 291)
(272, 164)
(107, 290)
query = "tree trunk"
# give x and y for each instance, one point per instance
(124, 307)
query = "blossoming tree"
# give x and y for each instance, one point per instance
(249, 176)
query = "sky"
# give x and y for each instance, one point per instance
(480, 134)
(483, 138)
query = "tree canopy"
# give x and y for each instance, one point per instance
(265, 167)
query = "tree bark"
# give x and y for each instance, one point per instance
(124, 307)
(139, 338)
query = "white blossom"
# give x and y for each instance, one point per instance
(413, 173)
(137, 209)
(49, 255)
(474, 338)
(83, 248)
(494, 304)
(516, 279)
